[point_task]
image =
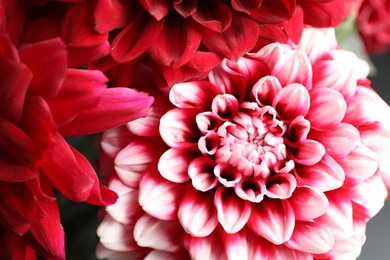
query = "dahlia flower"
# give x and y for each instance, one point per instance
(374, 25)
(42, 100)
(280, 155)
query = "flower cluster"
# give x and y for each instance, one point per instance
(43, 100)
(280, 155)
(374, 25)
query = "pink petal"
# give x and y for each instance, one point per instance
(292, 101)
(158, 255)
(252, 189)
(201, 171)
(114, 235)
(135, 158)
(325, 175)
(298, 130)
(213, 15)
(193, 94)
(227, 175)
(335, 75)
(339, 141)
(272, 219)
(207, 122)
(197, 213)
(265, 90)
(293, 67)
(308, 153)
(201, 248)
(136, 38)
(240, 37)
(361, 163)
(187, 36)
(229, 81)
(233, 213)
(173, 164)
(280, 186)
(116, 106)
(272, 53)
(311, 237)
(318, 43)
(237, 246)
(308, 203)
(327, 108)
(126, 210)
(157, 234)
(156, 8)
(339, 216)
(158, 197)
(225, 106)
(178, 128)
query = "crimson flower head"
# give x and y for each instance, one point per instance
(280, 155)
(374, 25)
(42, 100)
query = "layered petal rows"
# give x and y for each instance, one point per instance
(270, 157)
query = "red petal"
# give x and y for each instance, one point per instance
(273, 219)
(186, 35)
(275, 11)
(110, 15)
(116, 106)
(78, 26)
(156, 8)
(185, 8)
(324, 13)
(71, 173)
(46, 82)
(308, 153)
(79, 56)
(136, 38)
(213, 15)
(240, 38)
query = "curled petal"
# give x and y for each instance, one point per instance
(159, 197)
(209, 143)
(225, 106)
(265, 90)
(173, 165)
(360, 164)
(227, 174)
(339, 141)
(294, 67)
(197, 213)
(292, 101)
(213, 15)
(233, 213)
(193, 94)
(308, 153)
(281, 186)
(201, 171)
(252, 189)
(207, 122)
(157, 234)
(308, 203)
(273, 219)
(311, 237)
(327, 108)
(325, 175)
(158, 9)
(298, 130)
(178, 128)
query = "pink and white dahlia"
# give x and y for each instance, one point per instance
(280, 155)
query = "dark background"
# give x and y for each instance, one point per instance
(377, 246)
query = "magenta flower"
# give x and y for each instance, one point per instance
(280, 155)
(42, 100)
(374, 25)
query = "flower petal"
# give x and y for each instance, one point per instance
(325, 175)
(157, 8)
(292, 101)
(201, 171)
(308, 203)
(173, 164)
(158, 197)
(272, 219)
(213, 15)
(233, 212)
(157, 234)
(197, 213)
(308, 153)
(265, 90)
(280, 186)
(311, 237)
(327, 108)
